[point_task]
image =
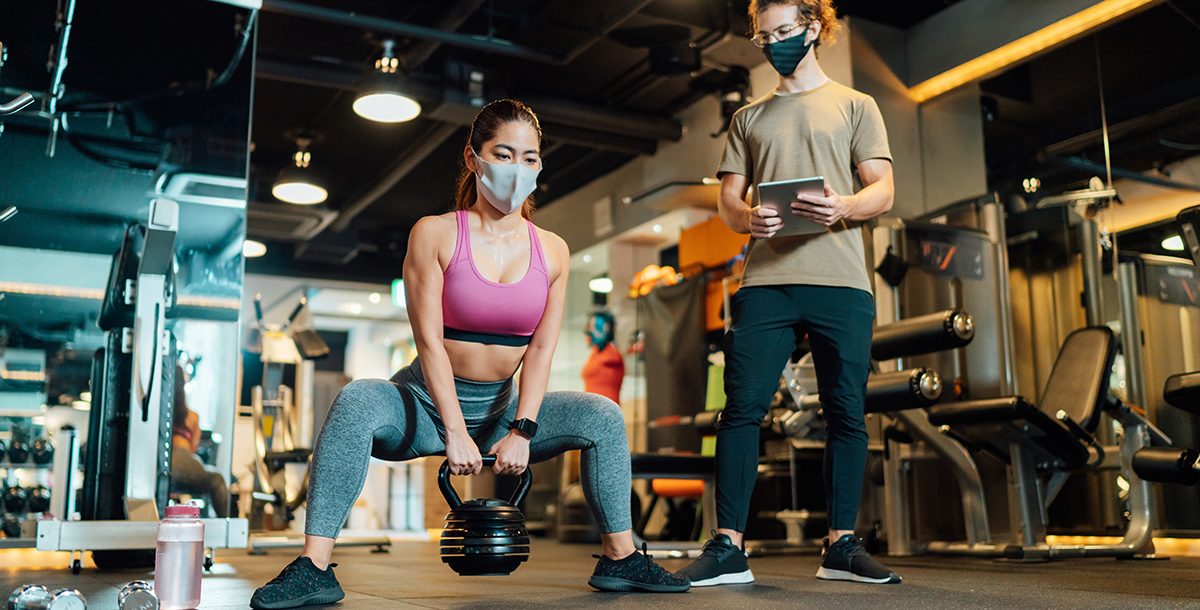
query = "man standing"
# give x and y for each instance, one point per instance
(816, 284)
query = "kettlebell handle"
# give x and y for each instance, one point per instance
(455, 502)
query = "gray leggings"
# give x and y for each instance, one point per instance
(396, 420)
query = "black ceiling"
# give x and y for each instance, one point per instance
(1047, 119)
(308, 66)
(601, 108)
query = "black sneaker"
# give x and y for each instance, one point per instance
(637, 572)
(299, 584)
(721, 563)
(846, 559)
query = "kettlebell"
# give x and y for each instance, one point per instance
(14, 500)
(43, 451)
(39, 499)
(484, 536)
(18, 451)
(12, 526)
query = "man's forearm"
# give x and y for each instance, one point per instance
(872, 201)
(733, 214)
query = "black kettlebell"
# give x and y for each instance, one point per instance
(14, 500)
(484, 536)
(18, 451)
(43, 451)
(12, 526)
(39, 499)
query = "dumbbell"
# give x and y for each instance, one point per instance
(15, 500)
(39, 499)
(43, 451)
(12, 526)
(62, 599)
(24, 595)
(18, 451)
(137, 595)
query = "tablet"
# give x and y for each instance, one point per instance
(779, 196)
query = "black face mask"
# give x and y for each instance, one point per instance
(786, 55)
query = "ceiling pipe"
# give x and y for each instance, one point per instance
(1175, 114)
(487, 44)
(586, 125)
(457, 15)
(405, 163)
(1091, 166)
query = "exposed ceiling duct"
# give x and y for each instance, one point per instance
(486, 44)
(586, 125)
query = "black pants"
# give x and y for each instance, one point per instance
(768, 321)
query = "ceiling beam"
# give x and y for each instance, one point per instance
(486, 44)
(457, 15)
(404, 164)
(974, 39)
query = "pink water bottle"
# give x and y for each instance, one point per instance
(179, 560)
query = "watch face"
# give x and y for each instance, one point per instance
(525, 426)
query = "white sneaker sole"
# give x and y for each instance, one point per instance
(739, 578)
(827, 574)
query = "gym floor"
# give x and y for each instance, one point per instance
(410, 576)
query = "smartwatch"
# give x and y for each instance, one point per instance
(527, 427)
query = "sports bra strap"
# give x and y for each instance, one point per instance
(539, 258)
(463, 234)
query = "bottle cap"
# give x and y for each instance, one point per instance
(183, 510)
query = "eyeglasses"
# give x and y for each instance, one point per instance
(782, 32)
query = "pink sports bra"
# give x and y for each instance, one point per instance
(482, 311)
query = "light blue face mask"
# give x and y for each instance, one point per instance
(506, 185)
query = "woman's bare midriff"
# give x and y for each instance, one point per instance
(479, 362)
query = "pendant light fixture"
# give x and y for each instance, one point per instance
(381, 98)
(296, 183)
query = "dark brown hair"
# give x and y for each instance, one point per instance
(814, 10)
(484, 128)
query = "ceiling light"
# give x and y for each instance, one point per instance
(602, 284)
(587, 258)
(380, 97)
(1173, 243)
(657, 228)
(997, 60)
(1031, 185)
(296, 184)
(374, 298)
(355, 308)
(253, 249)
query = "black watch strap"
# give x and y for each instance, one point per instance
(528, 427)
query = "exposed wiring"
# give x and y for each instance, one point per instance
(99, 157)
(1103, 114)
(246, 30)
(1179, 145)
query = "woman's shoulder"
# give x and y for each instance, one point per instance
(551, 242)
(435, 224)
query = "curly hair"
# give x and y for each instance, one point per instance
(817, 10)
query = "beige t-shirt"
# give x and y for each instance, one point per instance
(827, 132)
